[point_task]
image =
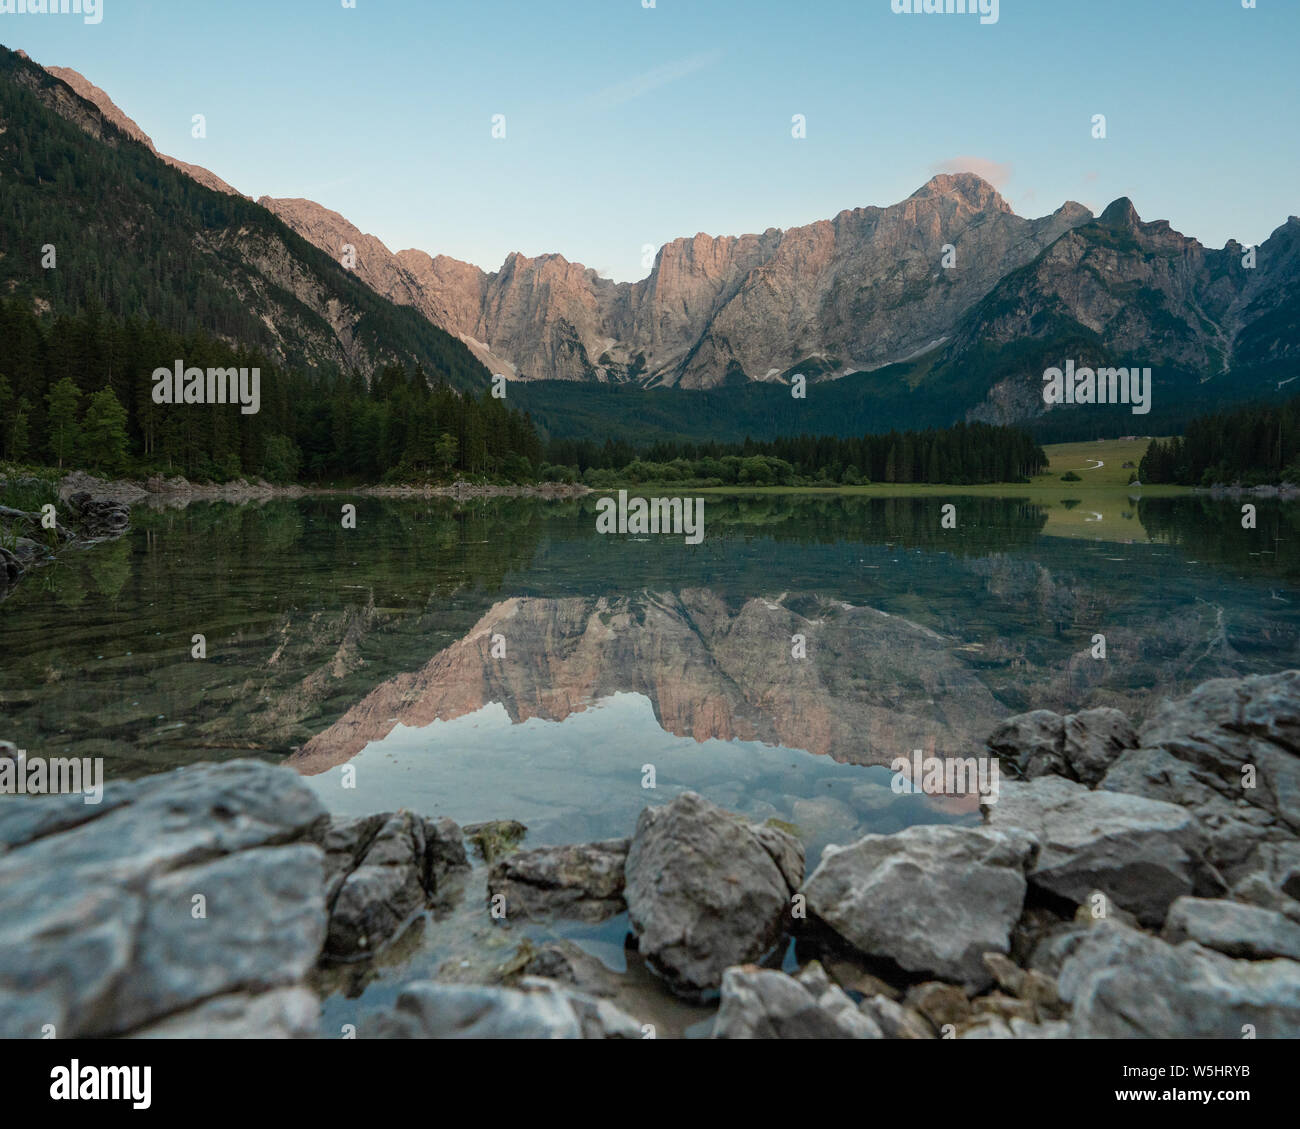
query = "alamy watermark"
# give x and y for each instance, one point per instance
(91, 11)
(987, 10)
(76, 1082)
(181, 385)
(684, 516)
(946, 776)
(1098, 386)
(21, 775)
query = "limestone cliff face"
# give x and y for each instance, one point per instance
(872, 687)
(859, 291)
(447, 292)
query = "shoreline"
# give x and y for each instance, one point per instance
(1113, 851)
(162, 491)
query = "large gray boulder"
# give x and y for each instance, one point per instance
(538, 1009)
(933, 899)
(177, 889)
(706, 890)
(1032, 743)
(1094, 740)
(262, 928)
(1234, 929)
(1123, 983)
(761, 1003)
(1141, 853)
(1234, 828)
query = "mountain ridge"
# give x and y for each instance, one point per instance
(700, 314)
(193, 257)
(946, 305)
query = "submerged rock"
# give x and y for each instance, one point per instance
(572, 965)
(933, 899)
(30, 543)
(538, 1009)
(706, 889)
(582, 881)
(99, 517)
(381, 870)
(495, 838)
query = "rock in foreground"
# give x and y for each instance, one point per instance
(932, 899)
(175, 890)
(1141, 853)
(1126, 984)
(382, 870)
(761, 1003)
(706, 890)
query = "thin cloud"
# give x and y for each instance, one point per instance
(995, 172)
(640, 84)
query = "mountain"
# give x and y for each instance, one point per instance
(139, 237)
(398, 278)
(865, 300)
(1118, 291)
(945, 306)
(861, 291)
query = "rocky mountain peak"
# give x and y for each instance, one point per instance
(1121, 215)
(968, 186)
(1073, 210)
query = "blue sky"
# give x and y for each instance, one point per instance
(628, 125)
